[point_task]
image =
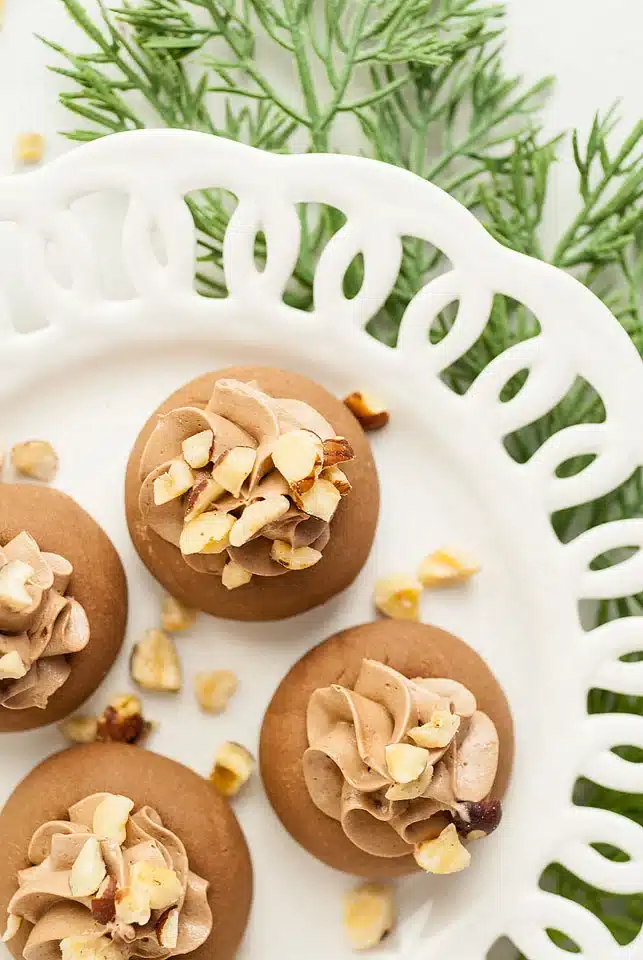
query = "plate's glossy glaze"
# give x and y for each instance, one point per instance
(88, 380)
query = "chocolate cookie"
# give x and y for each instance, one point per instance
(188, 806)
(266, 598)
(414, 650)
(60, 526)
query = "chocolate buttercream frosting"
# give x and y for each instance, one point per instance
(145, 865)
(346, 767)
(40, 626)
(241, 417)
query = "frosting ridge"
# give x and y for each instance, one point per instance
(38, 629)
(353, 762)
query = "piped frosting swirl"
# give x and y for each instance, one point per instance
(39, 625)
(146, 865)
(237, 505)
(349, 766)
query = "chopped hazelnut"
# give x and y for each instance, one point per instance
(174, 483)
(167, 929)
(370, 411)
(320, 501)
(337, 450)
(234, 575)
(214, 690)
(255, 517)
(36, 459)
(175, 616)
(12, 667)
(197, 448)
(369, 915)
(14, 577)
(88, 871)
(233, 768)
(406, 763)
(80, 729)
(398, 596)
(447, 567)
(298, 456)
(209, 533)
(111, 816)
(233, 468)
(29, 147)
(438, 732)
(292, 558)
(155, 663)
(443, 855)
(122, 721)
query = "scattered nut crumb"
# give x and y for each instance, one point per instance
(175, 616)
(155, 664)
(446, 567)
(398, 596)
(36, 459)
(214, 690)
(122, 721)
(443, 855)
(369, 915)
(233, 767)
(80, 729)
(29, 147)
(369, 410)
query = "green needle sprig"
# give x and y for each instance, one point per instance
(422, 85)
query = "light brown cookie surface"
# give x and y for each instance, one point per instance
(267, 598)
(188, 805)
(60, 525)
(413, 649)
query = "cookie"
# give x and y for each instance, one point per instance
(266, 598)
(188, 806)
(59, 525)
(413, 649)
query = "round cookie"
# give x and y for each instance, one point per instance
(188, 805)
(267, 598)
(61, 526)
(413, 649)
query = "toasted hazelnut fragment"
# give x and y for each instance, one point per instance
(320, 501)
(209, 533)
(88, 871)
(406, 763)
(203, 494)
(477, 820)
(133, 903)
(80, 729)
(214, 690)
(233, 767)
(174, 483)
(167, 929)
(161, 884)
(14, 577)
(122, 721)
(233, 467)
(255, 517)
(175, 616)
(294, 559)
(234, 575)
(398, 597)
(36, 459)
(413, 789)
(298, 456)
(447, 567)
(337, 450)
(369, 410)
(443, 855)
(155, 663)
(338, 479)
(111, 816)
(13, 925)
(12, 667)
(103, 905)
(197, 448)
(29, 147)
(369, 915)
(89, 948)
(438, 732)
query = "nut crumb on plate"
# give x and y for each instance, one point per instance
(29, 146)
(398, 596)
(80, 729)
(155, 664)
(369, 410)
(122, 721)
(233, 767)
(214, 690)
(447, 567)
(36, 459)
(175, 616)
(369, 915)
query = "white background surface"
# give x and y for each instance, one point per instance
(592, 47)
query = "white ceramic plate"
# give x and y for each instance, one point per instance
(87, 380)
